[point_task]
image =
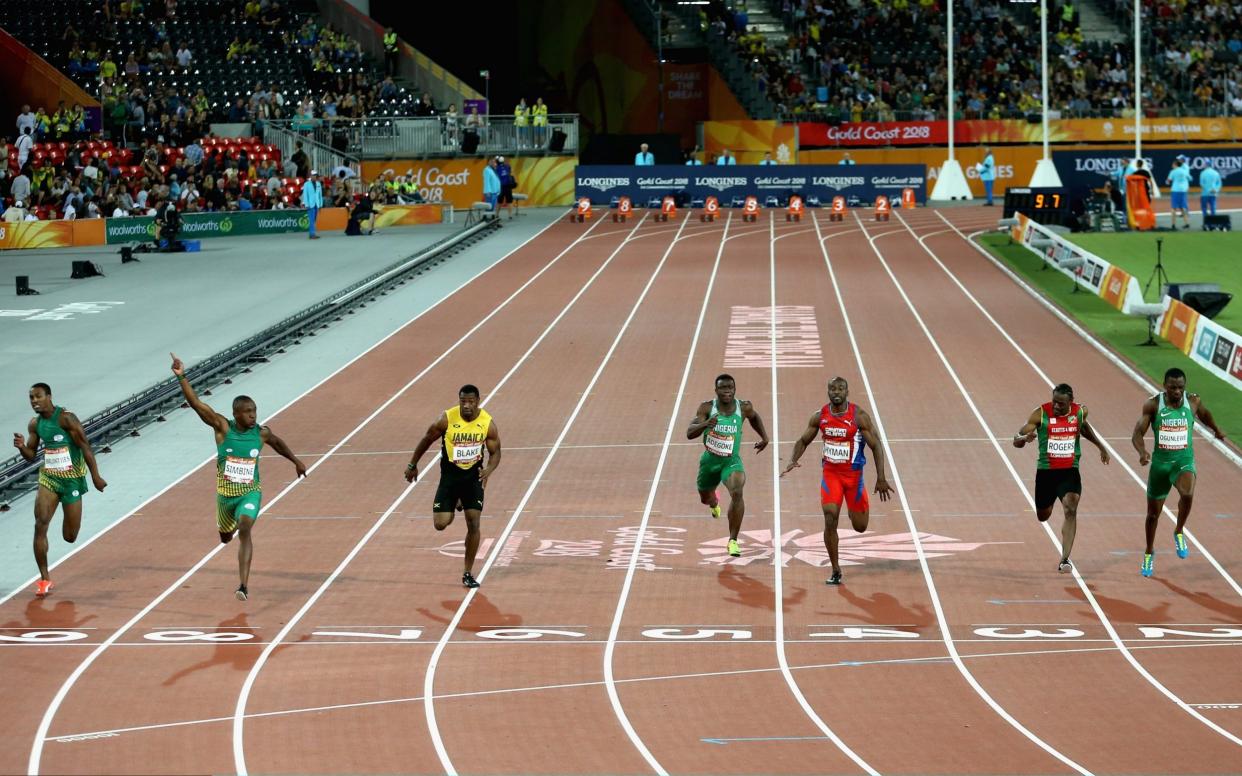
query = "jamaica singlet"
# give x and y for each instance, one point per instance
(463, 440)
(237, 461)
(1060, 444)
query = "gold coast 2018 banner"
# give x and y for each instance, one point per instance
(546, 181)
(51, 234)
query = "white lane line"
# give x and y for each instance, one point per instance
(87, 542)
(1229, 454)
(941, 620)
(430, 676)
(1017, 478)
(782, 658)
(36, 752)
(239, 713)
(633, 680)
(610, 681)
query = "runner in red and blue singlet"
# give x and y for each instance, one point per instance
(845, 428)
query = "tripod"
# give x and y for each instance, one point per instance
(1157, 272)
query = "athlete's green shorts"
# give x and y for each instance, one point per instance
(229, 509)
(715, 469)
(1164, 473)
(69, 489)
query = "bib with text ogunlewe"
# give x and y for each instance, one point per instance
(1174, 437)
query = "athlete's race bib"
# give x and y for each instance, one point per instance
(57, 459)
(1174, 437)
(239, 470)
(837, 452)
(1061, 447)
(718, 444)
(467, 453)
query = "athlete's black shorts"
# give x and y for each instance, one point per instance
(459, 489)
(1052, 484)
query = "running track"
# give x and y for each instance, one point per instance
(612, 633)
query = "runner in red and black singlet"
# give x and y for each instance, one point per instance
(845, 428)
(1059, 426)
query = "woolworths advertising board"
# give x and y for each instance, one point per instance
(197, 226)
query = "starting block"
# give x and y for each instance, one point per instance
(624, 209)
(581, 211)
(838, 209)
(907, 199)
(882, 208)
(711, 208)
(668, 208)
(794, 211)
(750, 210)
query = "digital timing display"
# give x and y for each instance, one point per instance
(1049, 205)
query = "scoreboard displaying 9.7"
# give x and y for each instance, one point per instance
(1047, 205)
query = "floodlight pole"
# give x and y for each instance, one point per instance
(1138, 84)
(951, 100)
(1043, 65)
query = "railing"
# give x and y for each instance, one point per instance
(395, 138)
(323, 157)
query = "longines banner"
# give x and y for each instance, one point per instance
(603, 182)
(1092, 168)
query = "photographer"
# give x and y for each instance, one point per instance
(167, 226)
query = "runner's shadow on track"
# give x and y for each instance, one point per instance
(225, 653)
(482, 614)
(62, 614)
(755, 593)
(1232, 614)
(884, 609)
(1123, 611)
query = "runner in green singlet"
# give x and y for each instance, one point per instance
(67, 456)
(721, 461)
(1171, 415)
(238, 492)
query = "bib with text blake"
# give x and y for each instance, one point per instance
(464, 439)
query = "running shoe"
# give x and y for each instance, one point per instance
(43, 587)
(1149, 565)
(242, 593)
(1065, 566)
(468, 580)
(1180, 541)
(835, 579)
(715, 511)
(734, 550)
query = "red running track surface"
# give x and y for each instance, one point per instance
(612, 633)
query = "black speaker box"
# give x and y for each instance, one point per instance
(557, 143)
(1217, 223)
(469, 142)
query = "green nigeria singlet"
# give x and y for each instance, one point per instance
(237, 461)
(62, 459)
(725, 439)
(1173, 427)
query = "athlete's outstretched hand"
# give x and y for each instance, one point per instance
(19, 441)
(178, 368)
(883, 489)
(300, 468)
(1104, 456)
(761, 445)
(483, 475)
(411, 473)
(711, 422)
(1144, 458)
(792, 465)
(99, 482)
